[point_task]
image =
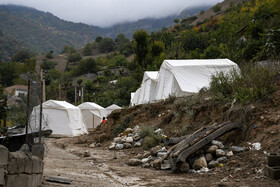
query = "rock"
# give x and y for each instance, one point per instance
(136, 128)
(237, 149)
(127, 145)
(184, 167)
(117, 139)
(229, 154)
(147, 160)
(92, 145)
(119, 146)
(138, 144)
(218, 143)
(139, 156)
(146, 165)
(127, 131)
(212, 149)
(146, 154)
(220, 152)
(129, 140)
(155, 150)
(98, 145)
(130, 135)
(86, 153)
(165, 165)
(213, 164)
(112, 146)
(134, 162)
(204, 169)
(208, 157)
(199, 163)
(222, 159)
(160, 154)
(136, 138)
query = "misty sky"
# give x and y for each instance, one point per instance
(105, 13)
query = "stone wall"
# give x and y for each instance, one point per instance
(20, 168)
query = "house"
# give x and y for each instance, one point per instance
(17, 90)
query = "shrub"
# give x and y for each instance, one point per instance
(253, 83)
(151, 138)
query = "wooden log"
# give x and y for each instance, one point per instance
(206, 133)
(198, 145)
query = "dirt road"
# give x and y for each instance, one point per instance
(101, 169)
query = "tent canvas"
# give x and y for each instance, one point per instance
(61, 117)
(131, 98)
(185, 77)
(92, 114)
(148, 87)
(111, 108)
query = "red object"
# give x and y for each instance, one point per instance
(103, 121)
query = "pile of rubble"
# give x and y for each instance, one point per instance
(127, 139)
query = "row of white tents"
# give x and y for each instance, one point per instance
(179, 78)
(66, 119)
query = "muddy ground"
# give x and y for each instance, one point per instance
(101, 169)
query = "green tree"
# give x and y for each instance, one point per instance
(87, 50)
(98, 39)
(217, 8)
(107, 45)
(68, 49)
(140, 47)
(8, 73)
(48, 65)
(87, 65)
(49, 55)
(74, 57)
(21, 56)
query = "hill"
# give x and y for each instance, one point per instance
(151, 24)
(39, 32)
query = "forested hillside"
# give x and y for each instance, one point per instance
(38, 31)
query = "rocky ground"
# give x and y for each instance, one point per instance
(98, 166)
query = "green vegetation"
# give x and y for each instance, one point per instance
(123, 125)
(151, 139)
(245, 86)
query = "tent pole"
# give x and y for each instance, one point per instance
(75, 95)
(5, 119)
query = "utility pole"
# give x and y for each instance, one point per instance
(59, 91)
(27, 111)
(82, 94)
(5, 116)
(75, 95)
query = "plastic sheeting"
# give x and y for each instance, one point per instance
(185, 77)
(92, 114)
(61, 117)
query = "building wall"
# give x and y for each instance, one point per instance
(20, 169)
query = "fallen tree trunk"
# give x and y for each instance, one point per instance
(200, 143)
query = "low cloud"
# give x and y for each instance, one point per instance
(106, 13)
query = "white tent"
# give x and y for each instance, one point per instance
(61, 117)
(92, 114)
(111, 108)
(131, 98)
(146, 92)
(185, 77)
